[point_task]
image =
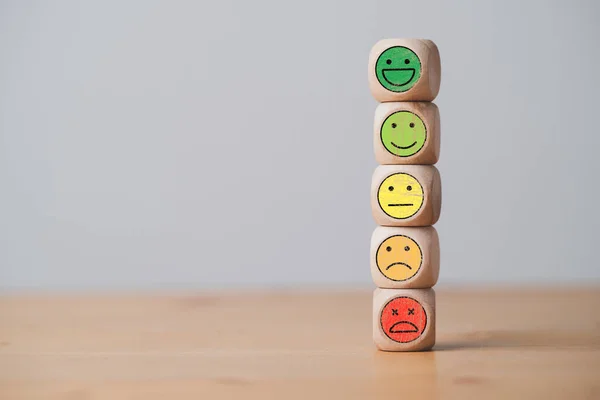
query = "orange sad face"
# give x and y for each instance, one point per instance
(399, 258)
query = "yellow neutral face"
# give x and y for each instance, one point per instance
(400, 195)
(399, 258)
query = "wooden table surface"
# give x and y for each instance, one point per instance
(503, 344)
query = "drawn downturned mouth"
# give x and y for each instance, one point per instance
(404, 327)
(401, 205)
(398, 76)
(398, 263)
(402, 147)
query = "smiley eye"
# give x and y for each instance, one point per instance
(388, 248)
(391, 188)
(394, 125)
(407, 61)
(412, 124)
(409, 188)
(388, 62)
(406, 248)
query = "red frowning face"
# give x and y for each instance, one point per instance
(403, 319)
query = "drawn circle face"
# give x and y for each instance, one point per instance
(403, 133)
(403, 319)
(399, 258)
(398, 69)
(400, 195)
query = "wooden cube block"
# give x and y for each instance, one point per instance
(406, 195)
(407, 133)
(404, 70)
(404, 319)
(404, 258)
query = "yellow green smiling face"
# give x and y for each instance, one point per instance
(400, 195)
(403, 133)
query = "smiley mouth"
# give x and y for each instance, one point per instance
(401, 205)
(401, 147)
(398, 76)
(404, 327)
(398, 263)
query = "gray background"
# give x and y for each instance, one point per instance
(151, 144)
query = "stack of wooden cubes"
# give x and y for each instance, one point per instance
(404, 76)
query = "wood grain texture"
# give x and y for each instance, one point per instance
(491, 344)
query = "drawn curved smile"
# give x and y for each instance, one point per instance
(403, 148)
(398, 76)
(404, 327)
(398, 263)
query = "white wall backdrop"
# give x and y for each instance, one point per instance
(174, 144)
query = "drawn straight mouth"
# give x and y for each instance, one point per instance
(401, 205)
(404, 327)
(401, 147)
(398, 263)
(398, 76)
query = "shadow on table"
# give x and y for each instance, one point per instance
(519, 339)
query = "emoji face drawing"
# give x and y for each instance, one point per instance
(403, 319)
(399, 258)
(398, 69)
(403, 133)
(400, 195)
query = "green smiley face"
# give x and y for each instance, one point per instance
(403, 133)
(398, 69)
